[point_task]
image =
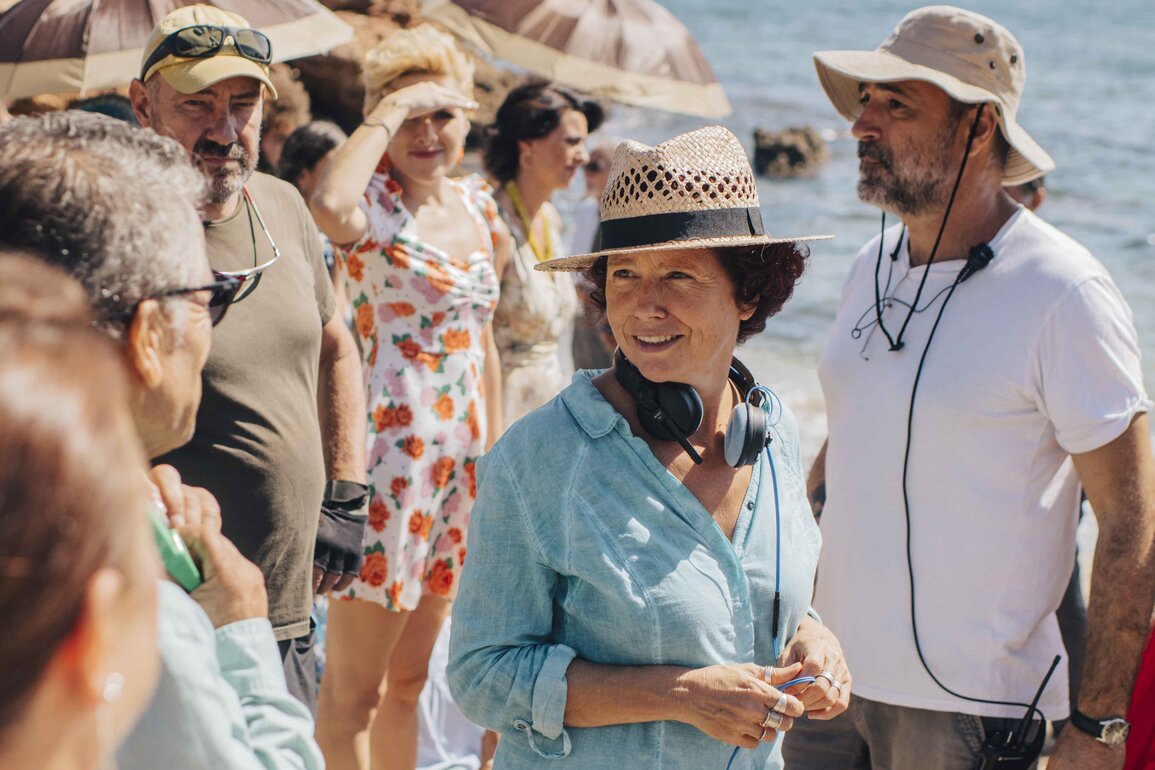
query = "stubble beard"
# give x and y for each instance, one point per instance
(227, 180)
(914, 183)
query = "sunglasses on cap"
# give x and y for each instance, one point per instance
(224, 293)
(205, 40)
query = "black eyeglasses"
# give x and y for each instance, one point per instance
(224, 293)
(250, 277)
(205, 40)
(595, 166)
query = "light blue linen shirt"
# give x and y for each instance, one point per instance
(222, 701)
(583, 545)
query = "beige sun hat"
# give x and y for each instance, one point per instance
(970, 57)
(696, 190)
(189, 76)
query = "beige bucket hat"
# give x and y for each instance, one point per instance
(696, 190)
(970, 57)
(189, 76)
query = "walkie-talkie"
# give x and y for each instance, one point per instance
(1021, 746)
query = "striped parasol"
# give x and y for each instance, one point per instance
(56, 46)
(631, 51)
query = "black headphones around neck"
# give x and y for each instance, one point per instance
(672, 411)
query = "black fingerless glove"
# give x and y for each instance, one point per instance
(341, 529)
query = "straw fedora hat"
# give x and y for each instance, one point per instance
(972, 58)
(694, 191)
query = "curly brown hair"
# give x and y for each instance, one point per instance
(762, 276)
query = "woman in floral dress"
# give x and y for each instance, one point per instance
(421, 256)
(535, 147)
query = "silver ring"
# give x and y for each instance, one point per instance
(834, 683)
(773, 720)
(781, 704)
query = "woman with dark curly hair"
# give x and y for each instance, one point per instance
(534, 148)
(642, 551)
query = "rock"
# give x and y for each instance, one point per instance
(797, 151)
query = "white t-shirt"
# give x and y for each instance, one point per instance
(1035, 358)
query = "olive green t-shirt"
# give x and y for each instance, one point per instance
(257, 445)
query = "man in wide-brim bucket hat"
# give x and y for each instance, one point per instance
(973, 59)
(696, 190)
(959, 436)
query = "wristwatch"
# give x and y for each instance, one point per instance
(1111, 731)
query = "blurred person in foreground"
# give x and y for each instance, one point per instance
(952, 472)
(638, 585)
(78, 566)
(280, 431)
(116, 207)
(420, 254)
(533, 149)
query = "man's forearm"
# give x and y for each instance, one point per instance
(1118, 617)
(1120, 483)
(341, 409)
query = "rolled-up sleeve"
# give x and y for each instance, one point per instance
(503, 670)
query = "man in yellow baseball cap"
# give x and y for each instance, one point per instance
(284, 364)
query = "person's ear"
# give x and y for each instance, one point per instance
(146, 339)
(987, 132)
(85, 658)
(141, 103)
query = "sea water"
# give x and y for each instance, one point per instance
(1089, 101)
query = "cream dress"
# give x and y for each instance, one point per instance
(534, 314)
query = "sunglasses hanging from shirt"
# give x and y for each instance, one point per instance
(251, 277)
(205, 40)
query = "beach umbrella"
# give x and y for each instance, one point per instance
(55, 46)
(631, 51)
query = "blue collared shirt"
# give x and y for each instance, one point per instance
(583, 545)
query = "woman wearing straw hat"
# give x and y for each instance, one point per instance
(642, 551)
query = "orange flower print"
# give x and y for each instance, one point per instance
(364, 318)
(440, 578)
(403, 309)
(461, 557)
(420, 524)
(399, 485)
(443, 406)
(442, 470)
(375, 569)
(404, 416)
(384, 417)
(378, 515)
(397, 256)
(471, 478)
(471, 420)
(455, 340)
(355, 267)
(392, 186)
(414, 447)
(394, 593)
(437, 318)
(409, 349)
(455, 535)
(440, 279)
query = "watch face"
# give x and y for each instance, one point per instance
(1115, 732)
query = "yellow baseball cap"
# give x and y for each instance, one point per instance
(190, 75)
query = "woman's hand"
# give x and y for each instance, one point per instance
(731, 702)
(816, 649)
(415, 100)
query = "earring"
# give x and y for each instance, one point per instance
(105, 744)
(113, 687)
(460, 156)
